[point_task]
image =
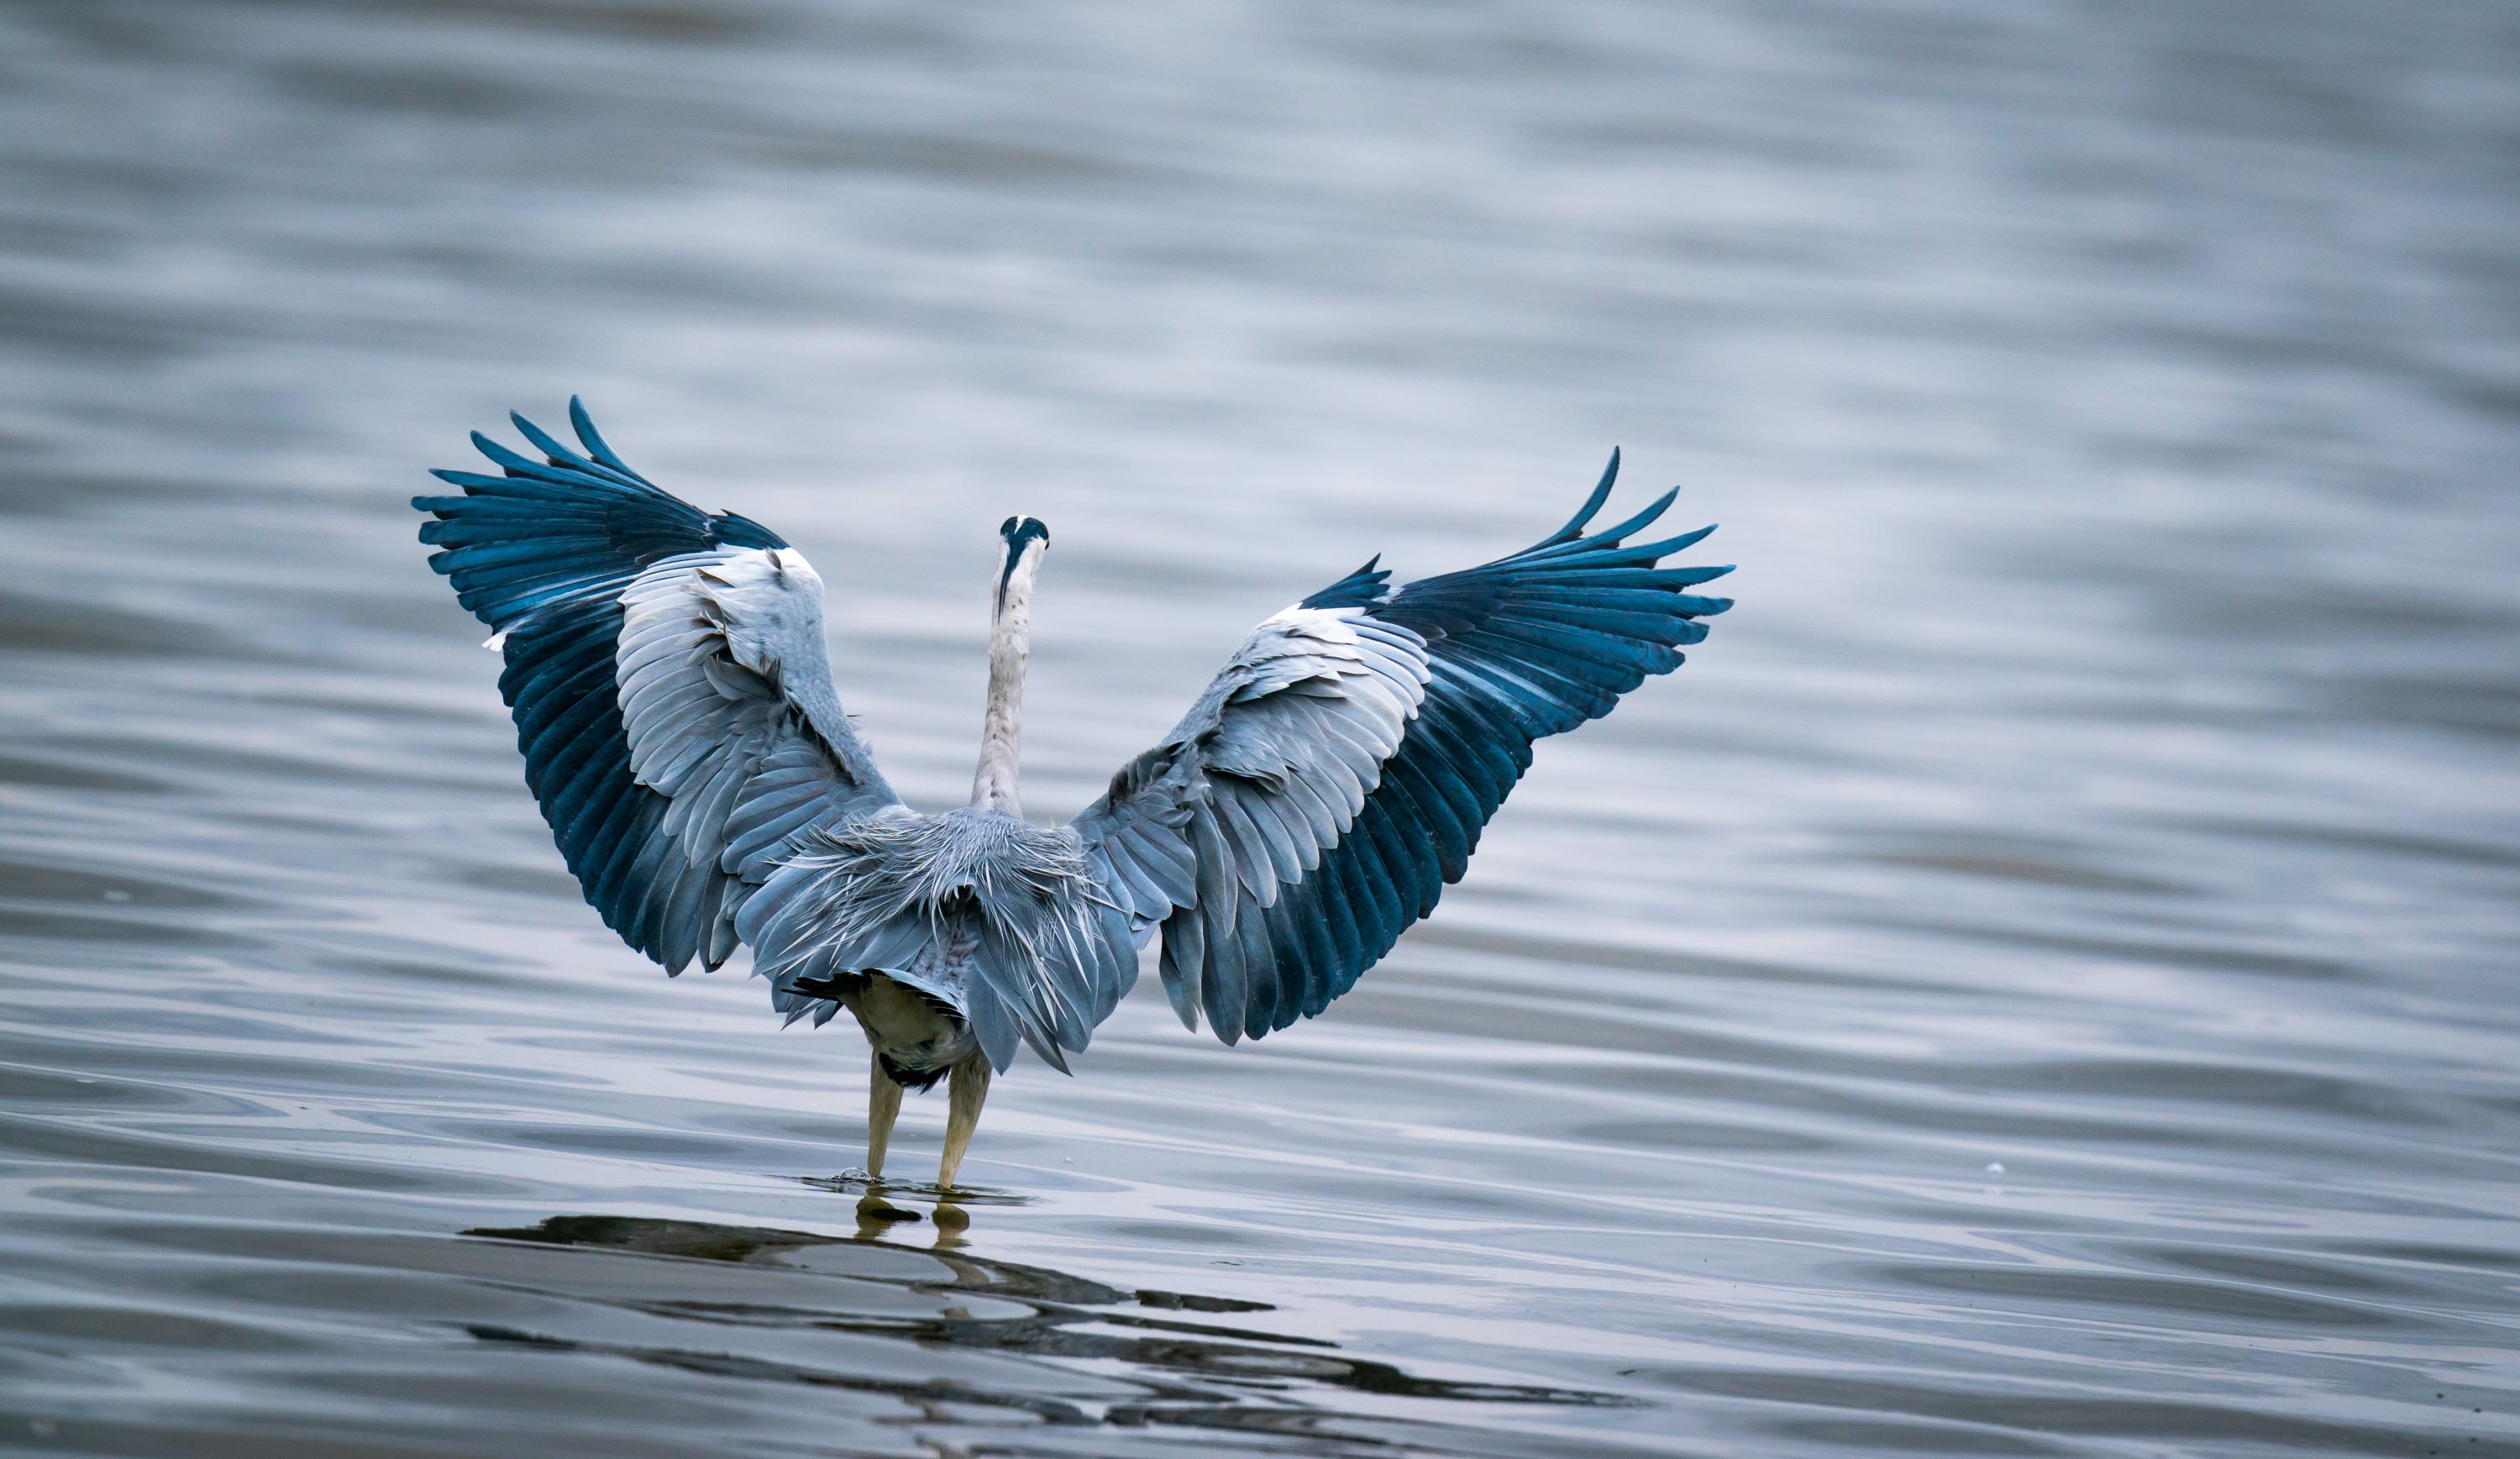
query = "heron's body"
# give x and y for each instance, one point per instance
(674, 701)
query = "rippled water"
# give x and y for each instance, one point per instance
(2039, 982)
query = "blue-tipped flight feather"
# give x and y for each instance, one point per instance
(593, 440)
(1591, 505)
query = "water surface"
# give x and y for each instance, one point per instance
(2039, 982)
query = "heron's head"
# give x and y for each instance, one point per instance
(1026, 540)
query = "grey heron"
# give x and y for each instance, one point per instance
(672, 694)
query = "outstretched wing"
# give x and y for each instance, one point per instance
(668, 679)
(1334, 777)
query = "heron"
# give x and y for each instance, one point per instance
(671, 686)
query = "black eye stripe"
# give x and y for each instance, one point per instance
(1019, 532)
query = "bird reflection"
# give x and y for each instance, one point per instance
(1188, 1367)
(876, 1216)
(880, 1215)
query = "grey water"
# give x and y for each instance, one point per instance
(2039, 982)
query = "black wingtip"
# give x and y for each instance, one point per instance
(541, 440)
(1613, 536)
(1362, 588)
(1681, 543)
(1591, 509)
(593, 440)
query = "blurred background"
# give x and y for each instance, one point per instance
(2037, 981)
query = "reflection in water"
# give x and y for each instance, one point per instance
(948, 1206)
(1196, 1375)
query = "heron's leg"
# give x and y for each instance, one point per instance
(964, 1095)
(883, 1106)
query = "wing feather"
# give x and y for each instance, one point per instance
(666, 673)
(1336, 776)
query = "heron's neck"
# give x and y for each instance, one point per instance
(993, 787)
